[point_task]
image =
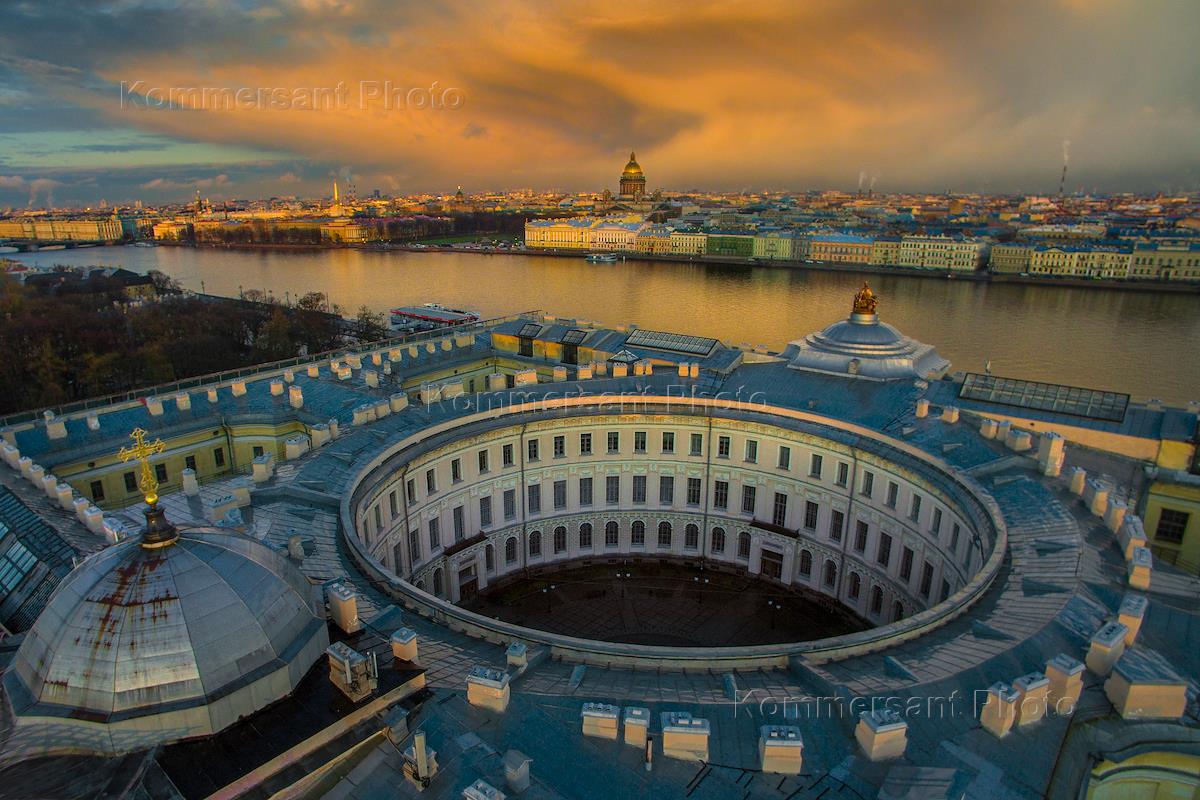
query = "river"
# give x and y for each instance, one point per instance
(1137, 342)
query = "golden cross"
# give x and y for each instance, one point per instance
(141, 451)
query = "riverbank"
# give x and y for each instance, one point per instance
(825, 266)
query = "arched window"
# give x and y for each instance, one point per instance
(830, 573)
(718, 540)
(876, 600)
(612, 534)
(806, 563)
(535, 544)
(585, 536)
(691, 537)
(637, 534)
(560, 539)
(855, 585)
(743, 545)
(510, 550)
(437, 582)
(664, 534)
(489, 558)
(897, 611)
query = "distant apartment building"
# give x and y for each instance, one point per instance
(775, 246)
(840, 248)
(942, 253)
(615, 235)
(345, 232)
(740, 245)
(885, 251)
(559, 234)
(108, 229)
(654, 239)
(1168, 262)
(1063, 233)
(687, 243)
(1010, 258)
(173, 230)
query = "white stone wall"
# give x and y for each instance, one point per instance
(385, 520)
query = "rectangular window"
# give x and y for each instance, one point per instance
(860, 537)
(954, 534)
(785, 457)
(435, 534)
(843, 473)
(160, 473)
(814, 470)
(666, 489)
(506, 455)
(414, 545)
(892, 494)
(926, 579)
(906, 563)
(510, 503)
(811, 510)
(697, 444)
(585, 491)
(614, 442)
(585, 444)
(637, 535)
(693, 491)
(97, 488)
(257, 450)
(393, 505)
(534, 498)
(483, 462)
(721, 494)
(749, 499)
(456, 470)
(837, 521)
(485, 512)
(532, 447)
(639, 441)
(189, 462)
(936, 525)
(639, 488)
(751, 451)
(722, 447)
(612, 489)
(430, 481)
(410, 490)
(779, 512)
(914, 510)
(611, 535)
(668, 442)
(560, 494)
(884, 554)
(219, 456)
(868, 486)
(1172, 524)
(560, 447)
(131, 482)
(460, 523)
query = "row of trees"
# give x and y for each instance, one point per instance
(68, 346)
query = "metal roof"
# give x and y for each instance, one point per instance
(1073, 400)
(671, 342)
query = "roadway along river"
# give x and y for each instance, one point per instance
(1141, 343)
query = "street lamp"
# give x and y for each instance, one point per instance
(547, 591)
(621, 578)
(700, 584)
(774, 606)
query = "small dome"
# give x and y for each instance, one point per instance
(141, 645)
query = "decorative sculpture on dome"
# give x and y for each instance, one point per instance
(864, 301)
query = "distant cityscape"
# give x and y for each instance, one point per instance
(1115, 237)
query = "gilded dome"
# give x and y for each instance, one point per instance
(633, 169)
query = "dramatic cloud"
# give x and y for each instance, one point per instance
(421, 97)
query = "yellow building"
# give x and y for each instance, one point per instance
(839, 248)
(1057, 261)
(559, 234)
(885, 252)
(687, 243)
(1010, 258)
(776, 246)
(1168, 262)
(1172, 520)
(63, 230)
(942, 253)
(653, 239)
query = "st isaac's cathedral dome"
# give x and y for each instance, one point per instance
(862, 346)
(164, 637)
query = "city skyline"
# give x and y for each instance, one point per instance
(930, 98)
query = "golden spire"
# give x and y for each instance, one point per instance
(864, 301)
(141, 451)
